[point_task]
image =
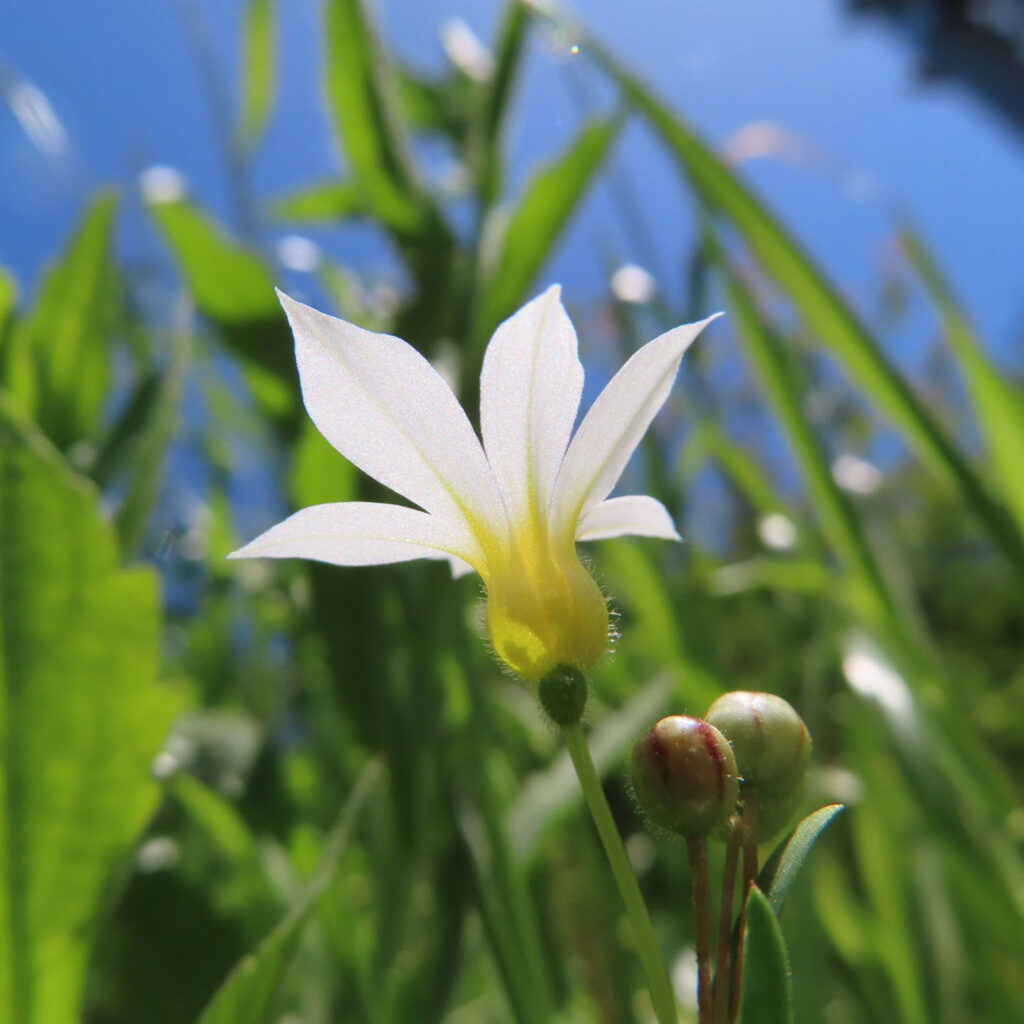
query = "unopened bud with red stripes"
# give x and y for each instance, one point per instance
(685, 776)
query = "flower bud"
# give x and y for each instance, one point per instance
(770, 741)
(685, 776)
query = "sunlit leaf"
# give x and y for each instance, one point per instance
(834, 324)
(249, 992)
(538, 221)
(59, 363)
(778, 875)
(512, 35)
(998, 402)
(318, 203)
(363, 98)
(259, 70)
(234, 289)
(83, 718)
(765, 990)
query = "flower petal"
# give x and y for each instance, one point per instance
(387, 410)
(530, 389)
(360, 533)
(616, 422)
(635, 514)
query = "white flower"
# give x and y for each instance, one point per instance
(512, 508)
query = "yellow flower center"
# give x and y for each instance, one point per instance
(543, 607)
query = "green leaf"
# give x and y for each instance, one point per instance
(81, 717)
(320, 202)
(140, 442)
(511, 45)
(8, 304)
(777, 375)
(59, 364)
(833, 322)
(998, 402)
(780, 872)
(259, 71)
(538, 221)
(249, 992)
(363, 99)
(234, 289)
(765, 994)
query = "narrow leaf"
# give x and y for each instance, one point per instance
(320, 202)
(82, 717)
(776, 374)
(259, 71)
(780, 872)
(998, 402)
(233, 288)
(765, 996)
(835, 325)
(537, 222)
(249, 992)
(60, 362)
(512, 36)
(363, 98)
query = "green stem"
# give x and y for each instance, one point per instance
(646, 942)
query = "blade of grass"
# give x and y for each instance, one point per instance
(828, 316)
(998, 403)
(842, 526)
(363, 99)
(544, 209)
(259, 72)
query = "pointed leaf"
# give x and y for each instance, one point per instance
(319, 202)
(233, 288)
(363, 98)
(249, 992)
(833, 322)
(259, 71)
(60, 361)
(765, 997)
(780, 872)
(538, 220)
(81, 718)
(998, 402)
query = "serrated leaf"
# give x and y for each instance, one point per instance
(83, 716)
(765, 995)
(259, 71)
(59, 363)
(778, 875)
(248, 994)
(538, 220)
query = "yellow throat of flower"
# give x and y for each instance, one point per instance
(543, 607)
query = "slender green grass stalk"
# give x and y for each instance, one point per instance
(720, 1013)
(646, 942)
(697, 847)
(748, 833)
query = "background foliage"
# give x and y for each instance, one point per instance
(290, 792)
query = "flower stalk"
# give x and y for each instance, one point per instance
(651, 958)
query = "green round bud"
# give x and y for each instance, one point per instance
(685, 776)
(563, 694)
(770, 741)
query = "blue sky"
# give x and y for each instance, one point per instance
(122, 78)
